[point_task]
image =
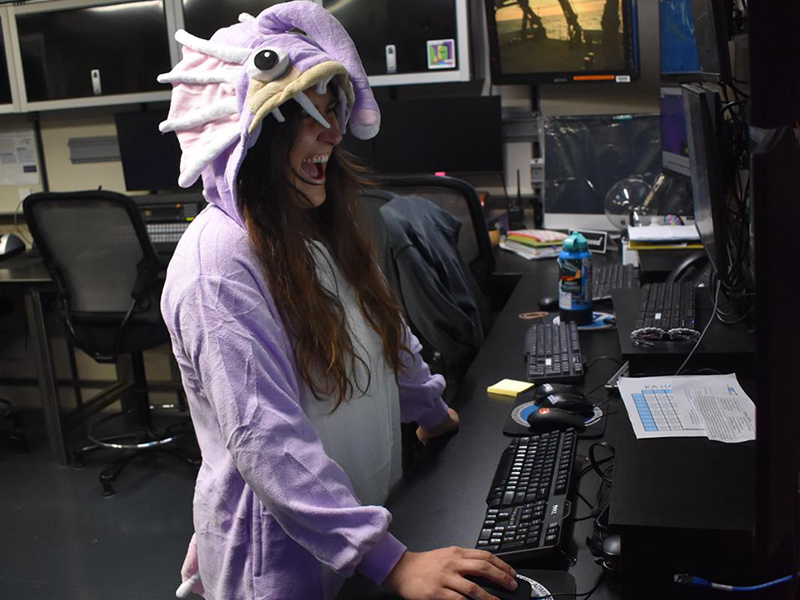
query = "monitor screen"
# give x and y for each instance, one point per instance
(545, 41)
(457, 134)
(150, 159)
(412, 36)
(674, 137)
(203, 17)
(693, 40)
(708, 185)
(94, 51)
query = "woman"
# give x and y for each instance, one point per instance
(292, 349)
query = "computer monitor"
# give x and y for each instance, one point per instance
(150, 159)
(694, 40)
(674, 134)
(542, 41)
(586, 155)
(708, 180)
(460, 134)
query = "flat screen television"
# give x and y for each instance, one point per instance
(428, 135)
(150, 159)
(674, 134)
(559, 41)
(694, 40)
(99, 50)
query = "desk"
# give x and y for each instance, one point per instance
(29, 274)
(441, 502)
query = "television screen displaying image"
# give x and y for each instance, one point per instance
(674, 138)
(541, 41)
(693, 40)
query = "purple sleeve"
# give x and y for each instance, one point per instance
(238, 347)
(420, 392)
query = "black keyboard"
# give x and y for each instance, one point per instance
(666, 312)
(613, 277)
(528, 499)
(553, 353)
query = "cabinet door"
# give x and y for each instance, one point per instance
(75, 49)
(203, 17)
(408, 25)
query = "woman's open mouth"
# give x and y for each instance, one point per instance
(314, 168)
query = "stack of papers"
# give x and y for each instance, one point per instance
(533, 243)
(712, 406)
(664, 237)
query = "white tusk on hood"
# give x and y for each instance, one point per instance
(276, 112)
(309, 107)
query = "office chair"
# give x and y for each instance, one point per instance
(459, 198)
(456, 197)
(96, 248)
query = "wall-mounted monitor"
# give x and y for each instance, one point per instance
(674, 136)
(409, 41)
(562, 41)
(150, 159)
(74, 49)
(428, 135)
(694, 40)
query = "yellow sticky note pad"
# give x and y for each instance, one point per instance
(509, 387)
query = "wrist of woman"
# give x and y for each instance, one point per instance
(378, 563)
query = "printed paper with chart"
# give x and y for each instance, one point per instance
(713, 406)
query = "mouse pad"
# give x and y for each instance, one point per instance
(556, 583)
(517, 420)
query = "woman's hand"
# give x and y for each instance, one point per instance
(190, 572)
(446, 425)
(439, 574)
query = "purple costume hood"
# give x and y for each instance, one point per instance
(224, 87)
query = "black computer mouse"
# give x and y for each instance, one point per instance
(523, 591)
(548, 303)
(552, 419)
(574, 403)
(545, 389)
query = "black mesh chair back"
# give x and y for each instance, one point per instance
(96, 247)
(460, 199)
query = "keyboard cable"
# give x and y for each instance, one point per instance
(705, 329)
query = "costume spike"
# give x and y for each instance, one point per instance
(202, 116)
(231, 54)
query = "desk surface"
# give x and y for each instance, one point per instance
(24, 269)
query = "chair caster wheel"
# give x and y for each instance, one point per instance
(108, 490)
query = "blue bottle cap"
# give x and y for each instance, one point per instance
(575, 242)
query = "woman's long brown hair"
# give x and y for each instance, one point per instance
(280, 223)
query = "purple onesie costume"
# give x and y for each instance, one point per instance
(272, 511)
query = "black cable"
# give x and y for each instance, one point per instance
(599, 358)
(589, 504)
